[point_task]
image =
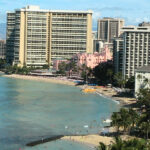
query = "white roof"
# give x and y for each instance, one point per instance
(37, 8)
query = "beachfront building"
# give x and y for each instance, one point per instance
(136, 49)
(142, 78)
(36, 37)
(2, 49)
(131, 50)
(92, 60)
(108, 28)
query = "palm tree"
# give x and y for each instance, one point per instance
(101, 146)
(135, 144)
(121, 81)
(125, 118)
(144, 125)
(121, 119)
(133, 116)
(118, 145)
(116, 120)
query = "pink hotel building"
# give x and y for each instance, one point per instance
(90, 60)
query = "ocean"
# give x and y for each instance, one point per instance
(34, 110)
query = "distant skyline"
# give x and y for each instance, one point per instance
(133, 11)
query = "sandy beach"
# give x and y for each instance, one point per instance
(111, 93)
(58, 80)
(92, 140)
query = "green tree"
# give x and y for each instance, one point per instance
(132, 144)
(143, 100)
(134, 116)
(143, 104)
(118, 144)
(130, 83)
(62, 68)
(101, 146)
(125, 118)
(116, 120)
(85, 72)
(110, 75)
(120, 80)
(103, 72)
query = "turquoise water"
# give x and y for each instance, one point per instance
(31, 110)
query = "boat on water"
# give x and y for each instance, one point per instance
(88, 90)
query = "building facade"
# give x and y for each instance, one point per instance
(92, 60)
(142, 78)
(2, 49)
(35, 37)
(108, 28)
(136, 49)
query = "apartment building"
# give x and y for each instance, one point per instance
(36, 37)
(132, 50)
(108, 28)
(2, 49)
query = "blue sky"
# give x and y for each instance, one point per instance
(133, 11)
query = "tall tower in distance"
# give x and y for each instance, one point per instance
(35, 36)
(108, 28)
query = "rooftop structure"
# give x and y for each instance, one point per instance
(144, 24)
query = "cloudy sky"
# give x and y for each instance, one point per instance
(133, 11)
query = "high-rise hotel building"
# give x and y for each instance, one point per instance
(134, 50)
(108, 28)
(35, 36)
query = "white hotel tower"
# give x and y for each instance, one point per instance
(134, 50)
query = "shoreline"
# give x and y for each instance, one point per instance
(105, 96)
(58, 80)
(89, 140)
(110, 93)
